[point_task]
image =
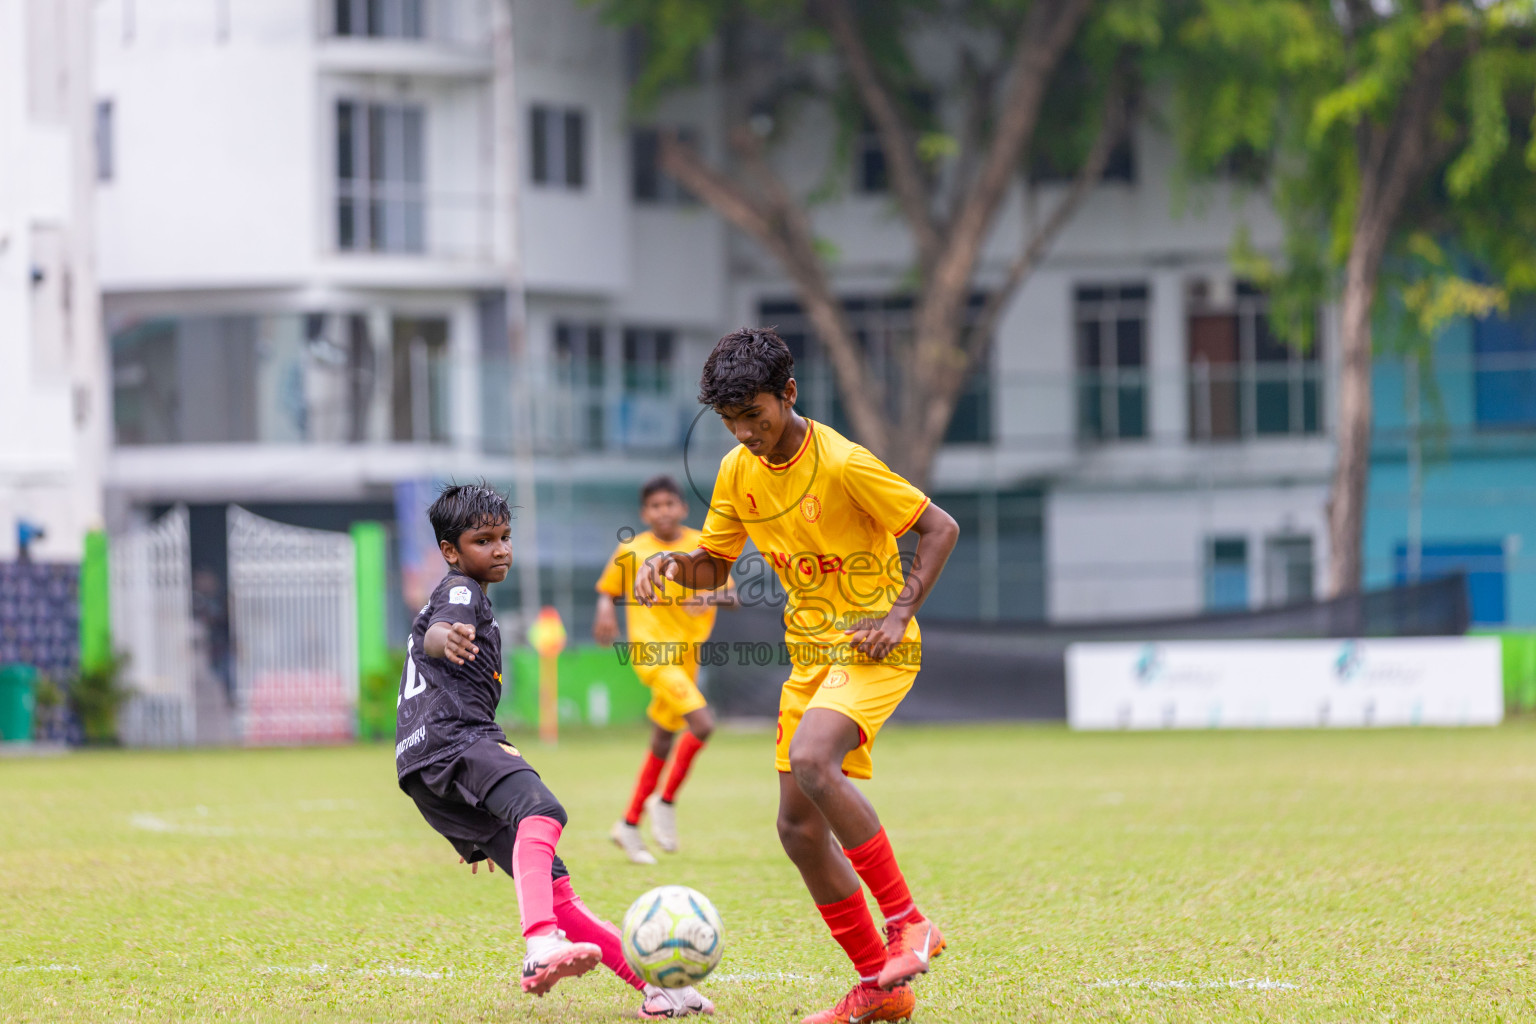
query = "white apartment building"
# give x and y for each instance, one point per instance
(311, 211)
(53, 409)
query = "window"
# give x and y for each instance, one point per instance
(1048, 168)
(648, 360)
(380, 178)
(1288, 570)
(1243, 380)
(380, 19)
(1111, 323)
(420, 372)
(1226, 574)
(870, 172)
(1504, 351)
(578, 364)
(648, 182)
(882, 327)
(105, 155)
(559, 147)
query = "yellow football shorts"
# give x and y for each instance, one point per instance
(868, 694)
(673, 693)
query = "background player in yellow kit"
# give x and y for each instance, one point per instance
(676, 703)
(826, 514)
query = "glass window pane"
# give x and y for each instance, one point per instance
(1272, 405)
(1129, 349)
(1267, 347)
(411, 26)
(346, 139)
(346, 224)
(645, 174)
(1090, 413)
(1132, 410)
(540, 133)
(414, 170)
(1089, 351)
(575, 146)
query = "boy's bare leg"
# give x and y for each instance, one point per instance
(822, 739)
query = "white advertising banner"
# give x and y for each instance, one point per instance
(1285, 684)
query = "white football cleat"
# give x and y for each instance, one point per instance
(552, 957)
(667, 1003)
(663, 822)
(627, 838)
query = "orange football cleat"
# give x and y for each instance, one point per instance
(867, 1002)
(909, 946)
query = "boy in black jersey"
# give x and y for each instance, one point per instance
(473, 786)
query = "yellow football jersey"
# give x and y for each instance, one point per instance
(672, 619)
(827, 521)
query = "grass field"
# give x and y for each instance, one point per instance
(1323, 876)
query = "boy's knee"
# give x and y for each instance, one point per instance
(814, 773)
(550, 808)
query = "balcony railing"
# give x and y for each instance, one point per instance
(463, 24)
(369, 220)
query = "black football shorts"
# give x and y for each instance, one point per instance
(476, 800)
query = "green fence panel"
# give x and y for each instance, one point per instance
(377, 672)
(95, 605)
(1520, 671)
(595, 689)
(1518, 652)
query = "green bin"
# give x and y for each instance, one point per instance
(17, 698)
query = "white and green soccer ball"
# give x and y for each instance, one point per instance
(673, 936)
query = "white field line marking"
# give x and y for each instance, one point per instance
(166, 824)
(744, 976)
(155, 823)
(388, 971)
(1244, 984)
(25, 968)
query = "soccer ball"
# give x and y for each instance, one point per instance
(673, 936)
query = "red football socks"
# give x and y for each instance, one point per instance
(687, 747)
(581, 925)
(854, 929)
(876, 865)
(645, 785)
(533, 856)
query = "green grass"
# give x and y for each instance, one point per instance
(1366, 875)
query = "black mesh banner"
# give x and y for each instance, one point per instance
(977, 671)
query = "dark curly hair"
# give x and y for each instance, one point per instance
(658, 484)
(463, 507)
(744, 364)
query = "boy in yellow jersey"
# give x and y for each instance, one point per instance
(826, 514)
(669, 669)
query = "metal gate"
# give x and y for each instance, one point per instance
(150, 571)
(293, 623)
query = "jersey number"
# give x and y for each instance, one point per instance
(413, 683)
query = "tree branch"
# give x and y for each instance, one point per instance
(779, 224)
(896, 137)
(1116, 119)
(1046, 33)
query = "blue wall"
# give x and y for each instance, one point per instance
(1479, 485)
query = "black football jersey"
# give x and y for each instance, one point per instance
(443, 707)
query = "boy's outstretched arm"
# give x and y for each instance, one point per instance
(696, 570)
(937, 533)
(452, 640)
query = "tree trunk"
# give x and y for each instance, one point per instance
(1391, 161)
(1346, 505)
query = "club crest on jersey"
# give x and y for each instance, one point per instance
(752, 502)
(459, 595)
(837, 677)
(810, 507)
